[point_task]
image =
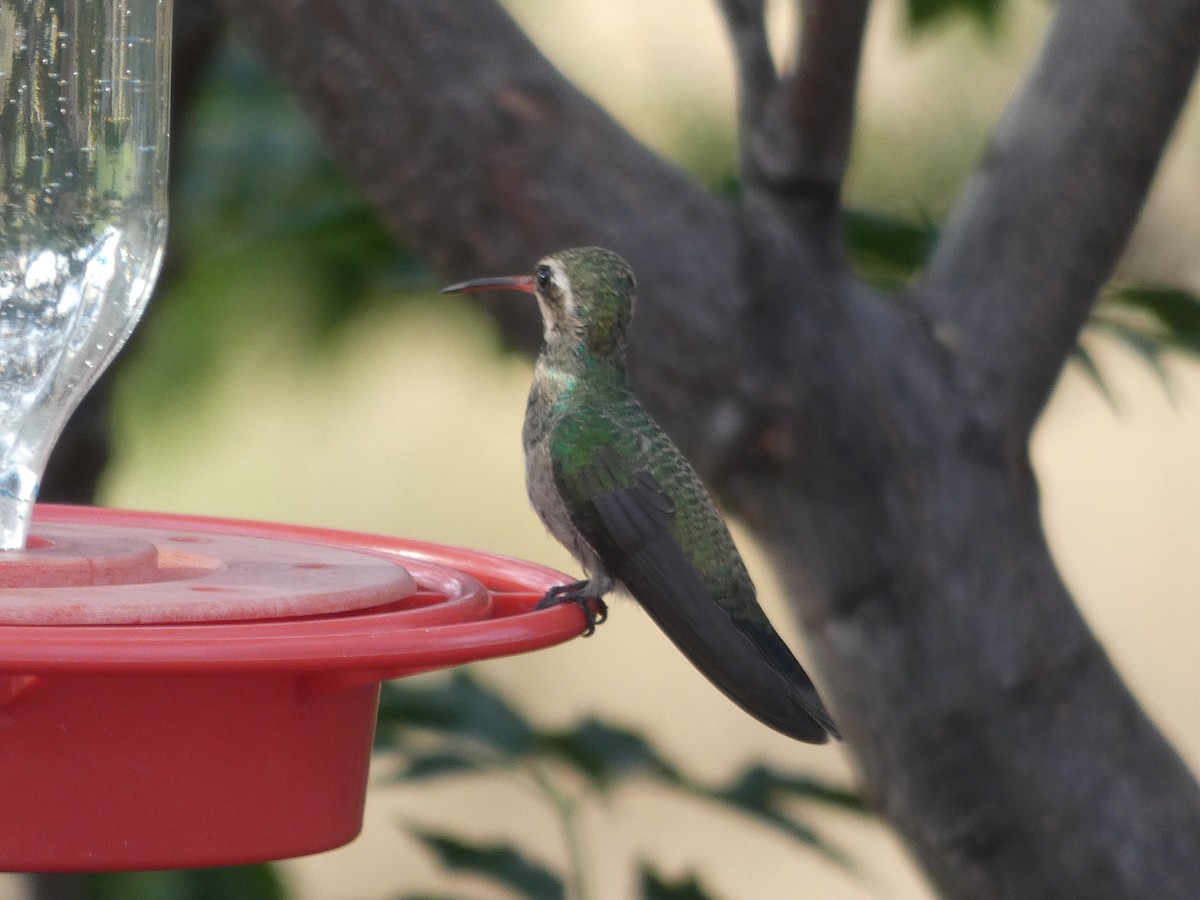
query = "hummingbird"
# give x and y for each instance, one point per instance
(612, 487)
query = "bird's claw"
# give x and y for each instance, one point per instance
(594, 609)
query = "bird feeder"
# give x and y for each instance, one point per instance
(174, 691)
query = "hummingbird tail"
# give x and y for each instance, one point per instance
(748, 662)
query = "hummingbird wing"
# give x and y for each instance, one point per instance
(628, 519)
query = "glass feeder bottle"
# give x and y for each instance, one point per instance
(84, 103)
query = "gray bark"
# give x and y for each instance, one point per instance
(878, 444)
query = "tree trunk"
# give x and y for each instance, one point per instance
(878, 444)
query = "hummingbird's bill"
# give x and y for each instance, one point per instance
(524, 283)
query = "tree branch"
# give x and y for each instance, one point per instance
(756, 77)
(1043, 220)
(795, 132)
(821, 91)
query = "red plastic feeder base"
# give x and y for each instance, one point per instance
(179, 691)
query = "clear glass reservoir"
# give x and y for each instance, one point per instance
(84, 102)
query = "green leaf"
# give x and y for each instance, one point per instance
(257, 882)
(760, 784)
(441, 763)
(1148, 347)
(923, 14)
(885, 249)
(455, 725)
(604, 753)
(1174, 312)
(652, 886)
(499, 863)
(1083, 357)
(458, 707)
(760, 792)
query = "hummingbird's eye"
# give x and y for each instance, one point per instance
(543, 276)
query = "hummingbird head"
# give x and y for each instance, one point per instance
(585, 295)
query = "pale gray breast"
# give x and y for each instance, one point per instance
(543, 492)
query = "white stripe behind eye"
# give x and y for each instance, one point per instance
(564, 286)
(554, 320)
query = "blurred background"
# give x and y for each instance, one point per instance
(299, 367)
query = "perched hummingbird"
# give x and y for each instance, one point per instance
(615, 491)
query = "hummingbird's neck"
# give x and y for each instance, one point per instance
(564, 372)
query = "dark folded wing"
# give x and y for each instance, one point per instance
(626, 517)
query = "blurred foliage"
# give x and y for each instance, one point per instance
(887, 251)
(267, 237)
(458, 726)
(254, 178)
(1148, 321)
(922, 14)
(498, 863)
(652, 886)
(1152, 319)
(260, 882)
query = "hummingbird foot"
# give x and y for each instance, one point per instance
(594, 609)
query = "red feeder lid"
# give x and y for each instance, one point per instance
(179, 691)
